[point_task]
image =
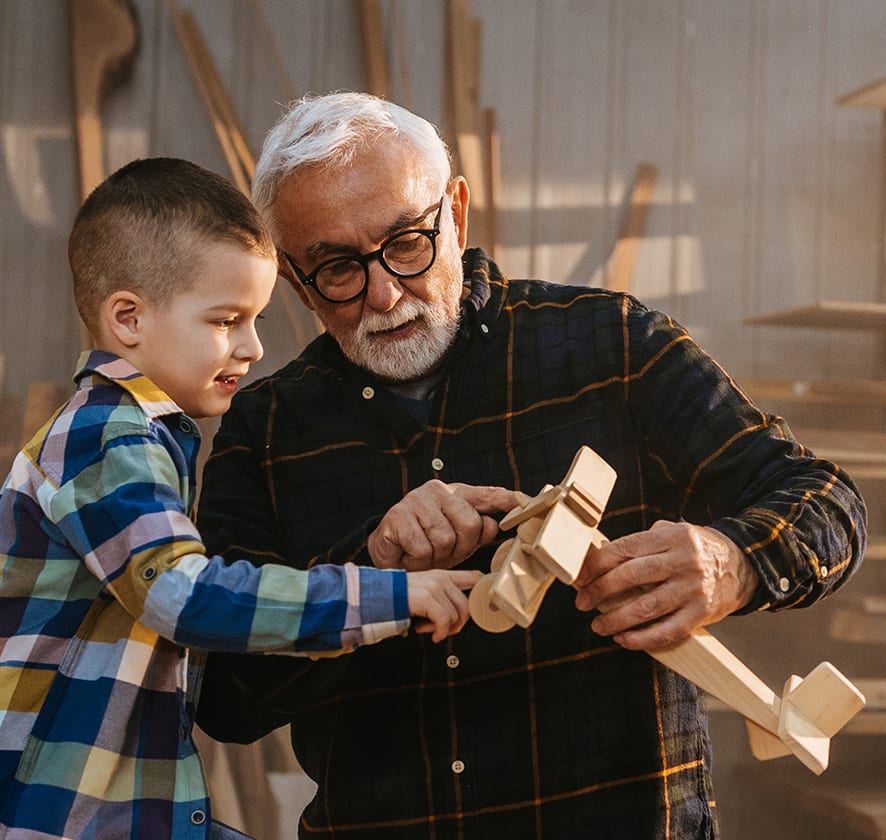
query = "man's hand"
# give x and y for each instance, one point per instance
(438, 526)
(655, 587)
(437, 601)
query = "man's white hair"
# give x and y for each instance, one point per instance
(331, 129)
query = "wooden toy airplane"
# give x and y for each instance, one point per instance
(554, 532)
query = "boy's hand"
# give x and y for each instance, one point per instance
(437, 602)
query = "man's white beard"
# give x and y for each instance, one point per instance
(402, 360)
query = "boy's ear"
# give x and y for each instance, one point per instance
(123, 316)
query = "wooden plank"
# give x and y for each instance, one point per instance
(876, 549)
(827, 314)
(375, 64)
(463, 83)
(103, 41)
(872, 95)
(856, 450)
(493, 178)
(227, 128)
(404, 77)
(818, 392)
(863, 454)
(874, 690)
(236, 153)
(221, 99)
(624, 255)
(855, 622)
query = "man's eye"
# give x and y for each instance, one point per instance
(341, 269)
(340, 273)
(406, 243)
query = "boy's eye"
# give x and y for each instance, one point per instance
(227, 323)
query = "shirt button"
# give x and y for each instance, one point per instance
(824, 571)
(784, 584)
(368, 392)
(182, 733)
(452, 661)
(186, 425)
(149, 573)
(198, 817)
(437, 464)
(484, 329)
(458, 766)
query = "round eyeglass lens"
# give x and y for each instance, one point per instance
(341, 279)
(409, 254)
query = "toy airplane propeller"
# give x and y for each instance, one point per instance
(554, 532)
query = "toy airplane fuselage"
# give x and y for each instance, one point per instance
(556, 529)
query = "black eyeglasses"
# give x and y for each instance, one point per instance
(407, 253)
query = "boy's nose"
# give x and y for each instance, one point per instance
(250, 348)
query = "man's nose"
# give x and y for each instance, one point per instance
(383, 289)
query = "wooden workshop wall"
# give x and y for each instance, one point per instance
(769, 195)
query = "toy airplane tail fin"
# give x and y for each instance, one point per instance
(815, 709)
(811, 712)
(765, 745)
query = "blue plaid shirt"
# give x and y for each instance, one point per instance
(550, 732)
(104, 584)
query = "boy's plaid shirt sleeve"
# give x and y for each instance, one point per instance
(103, 582)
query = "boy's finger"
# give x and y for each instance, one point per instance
(465, 578)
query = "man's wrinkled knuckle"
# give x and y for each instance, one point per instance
(647, 607)
(634, 574)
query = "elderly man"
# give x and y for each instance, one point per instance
(437, 373)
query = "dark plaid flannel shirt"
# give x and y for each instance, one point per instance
(552, 732)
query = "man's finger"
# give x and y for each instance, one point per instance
(489, 499)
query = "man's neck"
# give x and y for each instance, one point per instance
(417, 389)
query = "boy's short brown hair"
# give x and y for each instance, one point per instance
(141, 229)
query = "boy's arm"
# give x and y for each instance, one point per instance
(125, 516)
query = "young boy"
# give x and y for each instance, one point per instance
(103, 578)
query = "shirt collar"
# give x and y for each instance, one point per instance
(487, 285)
(151, 399)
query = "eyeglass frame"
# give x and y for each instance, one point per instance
(432, 233)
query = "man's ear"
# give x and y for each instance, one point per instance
(123, 316)
(461, 198)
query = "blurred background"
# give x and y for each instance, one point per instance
(723, 161)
